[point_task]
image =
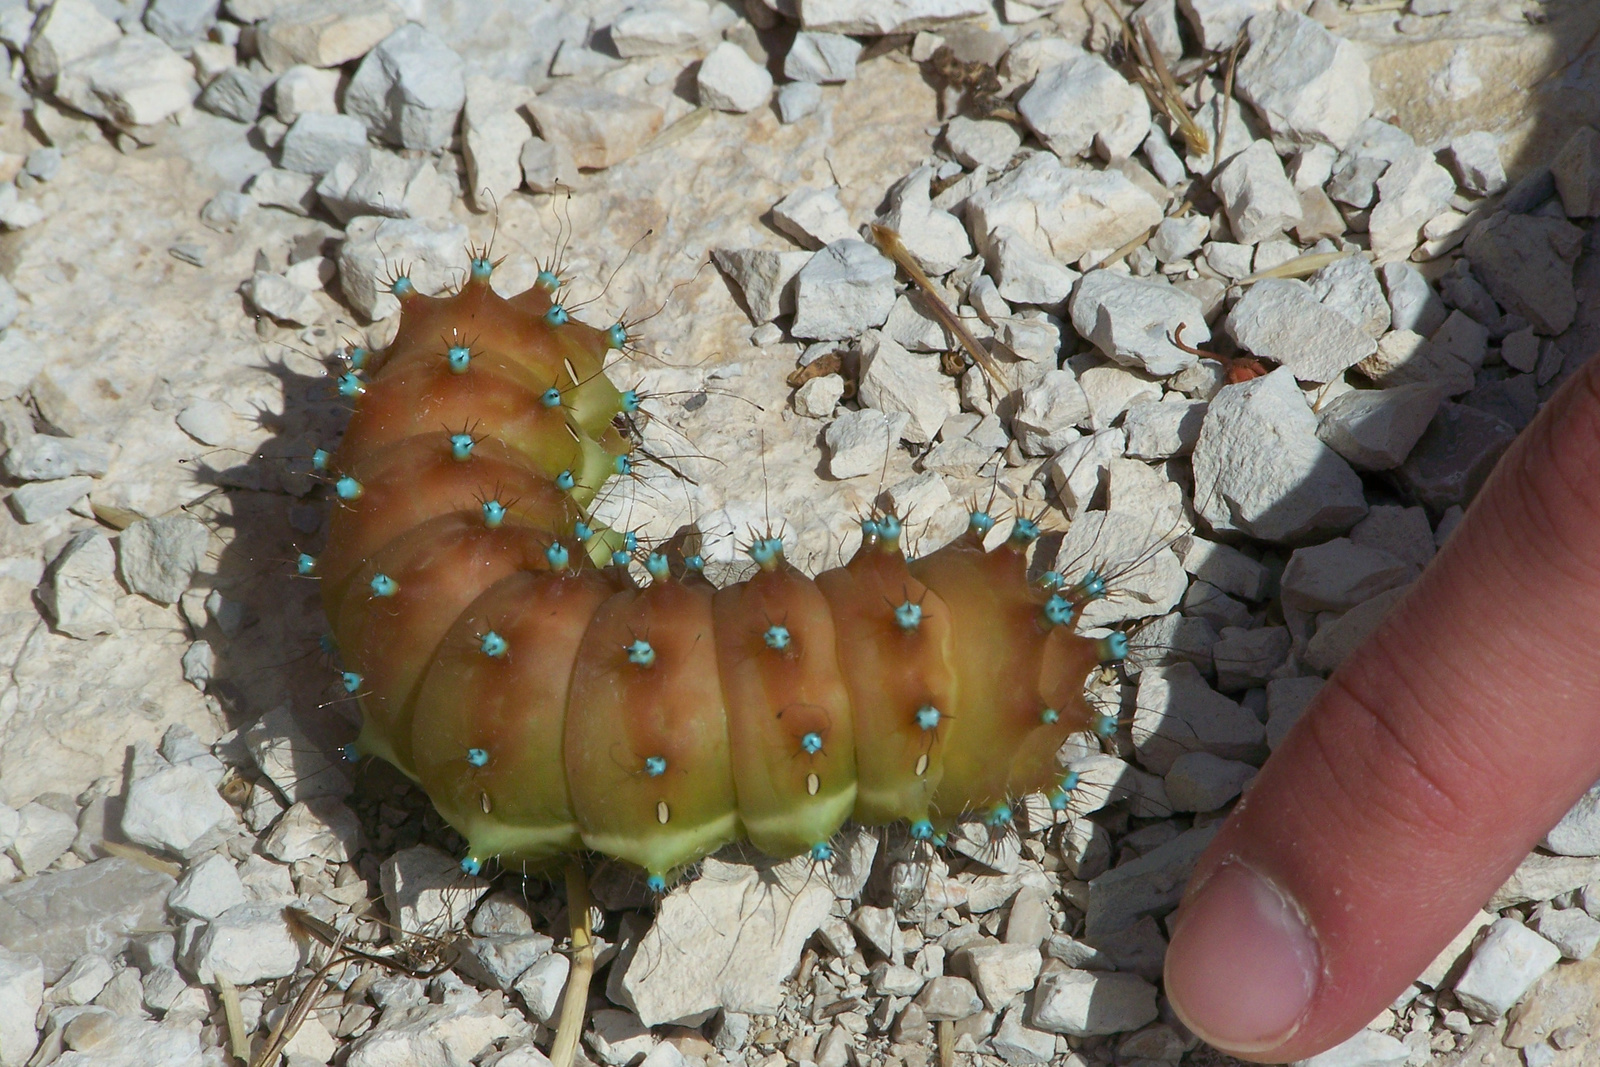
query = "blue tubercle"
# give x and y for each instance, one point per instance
(582, 531)
(695, 563)
(461, 445)
(1051, 580)
(471, 867)
(350, 385)
(460, 358)
(1114, 648)
(556, 316)
(870, 529)
(908, 616)
(622, 465)
(811, 743)
(494, 513)
(630, 540)
(980, 522)
(478, 757)
(928, 717)
(1069, 781)
(922, 830)
(619, 558)
(383, 585)
(557, 556)
(999, 815)
(658, 566)
(640, 653)
(656, 884)
(655, 766)
(350, 753)
(548, 280)
(777, 637)
(402, 286)
(1105, 725)
(551, 397)
(357, 357)
(1024, 531)
(347, 488)
(305, 564)
(493, 645)
(320, 458)
(481, 268)
(1058, 610)
(630, 400)
(1093, 586)
(821, 852)
(616, 335)
(351, 681)
(766, 551)
(1049, 716)
(889, 528)
(565, 481)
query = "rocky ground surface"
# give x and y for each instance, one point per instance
(1382, 246)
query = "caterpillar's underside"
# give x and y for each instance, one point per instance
(504, 658)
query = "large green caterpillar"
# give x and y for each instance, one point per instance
(504, 658)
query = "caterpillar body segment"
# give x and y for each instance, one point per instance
(789, 714)
(647, 755)
(503, 657)
(896, 665)
(507, 699)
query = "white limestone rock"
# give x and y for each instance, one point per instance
(1081, 105)
(893, 381)
(1281, 319)
(1412, 191)
(725, 940)
(1475, 158)
(433, 251)
(1176, 711)
(844, 289)
(1134, 547)
(935, 239)
(1339, 574)
(599, 128)
(425, 891)
(1061, 211)
(1301, 488)
(138, 81)
(1200, 781)
(1350, 286)
(1050, 411)
(876, 18)
(1509, 959)
(821, 57)
(858, 442)
(813, 217)
(1308, 85)
(982, 142)
(1376, 429)
(1088, 1003)
(1132, 321)
(729, 80)
(324, 33)
(178, 810)
(1577, 173)
(1164, 429)
(1260, 200)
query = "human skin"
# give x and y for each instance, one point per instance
(1436, 756)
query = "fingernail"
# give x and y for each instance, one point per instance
(1242, 966)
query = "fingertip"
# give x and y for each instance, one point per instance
(1243, 967)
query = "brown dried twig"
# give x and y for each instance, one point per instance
(895, 249)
